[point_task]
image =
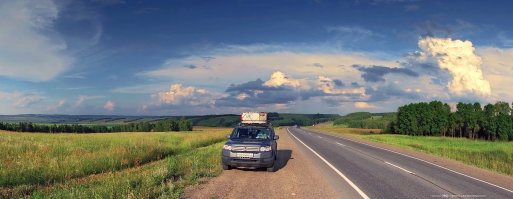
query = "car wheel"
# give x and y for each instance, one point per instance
(271, 169)
(226, 167)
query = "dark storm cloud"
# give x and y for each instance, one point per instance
(377, 73)
(328, 82)
(421, 66)
(338, 83)
(256, 93)
(250, 87)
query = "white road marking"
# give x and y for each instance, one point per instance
(341, 144)
(319, 137)
(399, 167)
(362, 194)
(489, 183)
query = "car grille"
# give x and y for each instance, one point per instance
(246, 148)
(245, 160)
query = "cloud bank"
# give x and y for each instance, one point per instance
(29, 48)
(442, 69)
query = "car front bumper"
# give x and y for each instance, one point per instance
(260, 159)
(248, 162)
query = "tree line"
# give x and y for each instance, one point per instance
(491, 122)
(298, 119)
(365, 120)
(158, 126)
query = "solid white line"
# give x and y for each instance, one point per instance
(363, 195)
(491, 184)
(399, 167)
(319, 137)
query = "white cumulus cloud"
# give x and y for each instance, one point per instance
(181, 98)
(179, 94)
(460, 60)
(280, 79)
(109, 106)
(328, 86)
(363, 105)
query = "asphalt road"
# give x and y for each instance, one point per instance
(374, 172)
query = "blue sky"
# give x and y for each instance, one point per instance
(207, 57)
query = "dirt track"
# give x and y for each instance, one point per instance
(297, 177)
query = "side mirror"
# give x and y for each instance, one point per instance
(276, 137)
(228, 136)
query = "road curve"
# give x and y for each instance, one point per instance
(380, 173)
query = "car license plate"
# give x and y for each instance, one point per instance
(244, 155)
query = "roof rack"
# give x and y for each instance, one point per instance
(267, 124)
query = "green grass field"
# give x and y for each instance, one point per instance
(119, 165)
(494, 156)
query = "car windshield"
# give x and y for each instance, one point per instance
(251, 133)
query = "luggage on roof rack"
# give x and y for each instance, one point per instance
(253, 118)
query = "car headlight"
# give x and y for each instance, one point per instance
(266, 148)
(227, 147)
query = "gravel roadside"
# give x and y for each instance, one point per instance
(297, 177)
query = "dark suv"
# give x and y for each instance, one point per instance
(251, 146)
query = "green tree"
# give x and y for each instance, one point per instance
(461, 117)
(489, 122)
(475, 115)
(184, 125)
(504, 123)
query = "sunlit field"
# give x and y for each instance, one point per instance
(74, 165)
(494, 156)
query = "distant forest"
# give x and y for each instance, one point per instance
(112, 123)
(493, 122)
(157, 126)
(365, 120)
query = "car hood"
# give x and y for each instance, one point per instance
(249, 142)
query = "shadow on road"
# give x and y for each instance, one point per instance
(283, 158)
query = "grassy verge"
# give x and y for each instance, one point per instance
(494, 156)
(165, 178)
(32, 159)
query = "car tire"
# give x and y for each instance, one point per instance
(271, 169)
(226, 167)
